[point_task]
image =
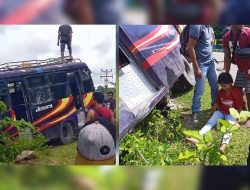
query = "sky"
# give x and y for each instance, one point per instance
(93, 44)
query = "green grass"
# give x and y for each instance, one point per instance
(237, 150)
(59, 155)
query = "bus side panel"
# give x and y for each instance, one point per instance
(48, 121)
(155, 48)
(87, 99)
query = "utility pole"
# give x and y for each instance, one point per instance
(106, 75)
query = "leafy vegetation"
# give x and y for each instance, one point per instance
(207, 152)
(10, 147)
(152, 142)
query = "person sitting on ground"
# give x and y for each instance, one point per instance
(99, 110)
(228, 97)
(65, 38)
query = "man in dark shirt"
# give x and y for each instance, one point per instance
(65, 38)
(110, 101)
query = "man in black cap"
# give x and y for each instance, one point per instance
(65, 38)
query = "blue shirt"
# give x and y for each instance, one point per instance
(203, 35)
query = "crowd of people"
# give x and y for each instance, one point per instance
(97, 138)
(236, 44)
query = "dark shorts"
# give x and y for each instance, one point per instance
(63, 44)
(241, 81)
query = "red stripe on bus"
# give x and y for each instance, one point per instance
(145, 38)
(57, 120)
(150, 61)
(149, 42)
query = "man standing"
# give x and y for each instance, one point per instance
(65, 38)
(110, 101)
(200, 53)
(238, 38)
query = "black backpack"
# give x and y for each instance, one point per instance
(184, 40)
(184, 37)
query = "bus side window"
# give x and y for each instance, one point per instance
(38, 89)
(88, 85)
(87, 82)
(59, 85)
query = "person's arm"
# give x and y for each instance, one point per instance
(113, 119)
(214, 108)
(227, 53)
(227, 59)
(90, 116)
(191, 51)
(239, 102)
(70, 35)
(59, 37)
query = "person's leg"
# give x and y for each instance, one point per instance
(247, 91)
(70, 50)
(213, 82)
(209, 125)
(199, 90)
(240, 82)
(212, 122)
(62, 50)
(227, 137)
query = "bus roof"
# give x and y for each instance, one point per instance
(26, 68)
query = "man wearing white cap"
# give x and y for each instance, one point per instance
(96, 144)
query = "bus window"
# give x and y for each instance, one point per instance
(57, 78)
(60, 91)
(38, 89)
(4, 99)
(59, 85)
(36, 81)
(85, 75)
(88, 85)
(40, 95)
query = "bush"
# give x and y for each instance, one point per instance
(152, 141)
(11, 147)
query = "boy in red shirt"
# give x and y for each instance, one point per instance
(228, 97)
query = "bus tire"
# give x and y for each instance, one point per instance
(186, 81)
(66, 133)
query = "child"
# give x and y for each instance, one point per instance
(228, 97)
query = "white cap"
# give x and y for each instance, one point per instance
(95, 142)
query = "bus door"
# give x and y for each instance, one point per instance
(74, 85)
(18, 99)
(87, 88)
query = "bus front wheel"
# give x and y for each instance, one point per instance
(66, 133)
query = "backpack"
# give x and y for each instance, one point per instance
(241, 52)
(184, 37)
(184, 40)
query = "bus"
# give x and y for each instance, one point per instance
(151, 68)
(51, 94)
